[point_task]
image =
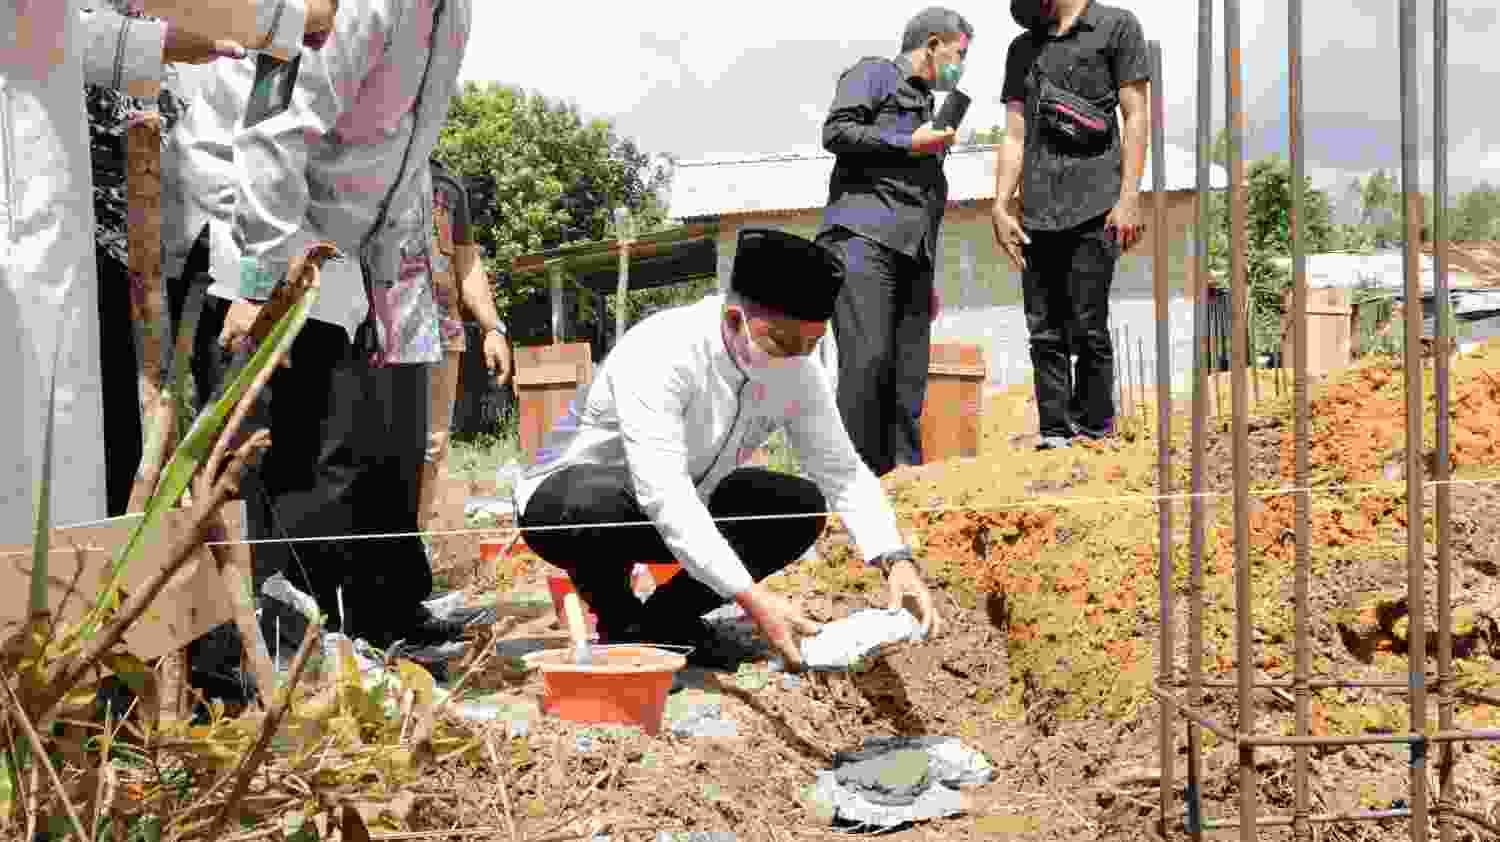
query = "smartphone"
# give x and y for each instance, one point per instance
(955, 106)
(271, 94)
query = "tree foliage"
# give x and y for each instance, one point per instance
(1268, 228)
(557, 179)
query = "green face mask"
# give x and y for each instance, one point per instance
(949, 75)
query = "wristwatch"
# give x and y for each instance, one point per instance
(498, 329)
(886, 561)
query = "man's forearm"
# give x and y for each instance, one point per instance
(1137, 130)
(475, 289)
(1008, 157)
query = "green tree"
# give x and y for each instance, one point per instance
(1268, 203)
(557, 179)
(1476, 215)
(993, 134)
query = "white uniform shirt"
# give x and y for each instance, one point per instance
(49, 323)
(673, 404)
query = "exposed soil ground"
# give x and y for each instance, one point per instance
(1046, 566)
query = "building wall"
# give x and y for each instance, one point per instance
(975, 273)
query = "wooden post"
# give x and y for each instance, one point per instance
(622, 234)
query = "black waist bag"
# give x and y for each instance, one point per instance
(1074, 123)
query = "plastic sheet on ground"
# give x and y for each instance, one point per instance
(850, 805)
(843, 644)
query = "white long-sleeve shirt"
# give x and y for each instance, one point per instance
(49, 327)
(673, 405)
(320, 169)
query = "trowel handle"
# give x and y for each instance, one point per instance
(573, 612)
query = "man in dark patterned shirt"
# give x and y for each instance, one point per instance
(886, 199)
(1079, 171)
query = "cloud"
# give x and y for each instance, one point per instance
(700, 80)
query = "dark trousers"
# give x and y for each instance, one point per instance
(1065, 290)
(347, 451)
(599, 559)
(882, 324)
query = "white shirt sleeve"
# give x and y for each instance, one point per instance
(652, 411)
(829, 457)
(119, 52)
(271, 157)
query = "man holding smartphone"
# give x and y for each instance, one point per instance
(1077, 61)
(886, 199)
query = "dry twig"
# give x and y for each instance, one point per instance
(502, 771)
(67, 674)
(39, 756)
(251, 762)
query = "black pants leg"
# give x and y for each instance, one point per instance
(1065, 292)
(599, 559)
(882, 323)
(118, 371)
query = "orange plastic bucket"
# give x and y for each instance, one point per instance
(560, 587)
(625, 685)
(663, 573)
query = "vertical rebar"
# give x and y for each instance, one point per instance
(1442, 468)
(1302, 415)
(1411, 210)
(1119, 380)
(1240, 394)
(1140, 359)
(1161, 290)
(1129, 370)
(1254, 352)
(1201, 348)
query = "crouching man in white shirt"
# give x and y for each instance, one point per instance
(661, 437)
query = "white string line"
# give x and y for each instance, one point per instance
(1034, 502)
(1030, 502)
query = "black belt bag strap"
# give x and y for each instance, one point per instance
(367, 343)
(1074, 122)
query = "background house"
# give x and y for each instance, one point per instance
(981, 292)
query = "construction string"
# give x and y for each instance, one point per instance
(1033, 502)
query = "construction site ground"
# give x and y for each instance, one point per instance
(1045, 569)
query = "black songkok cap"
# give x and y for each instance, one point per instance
(783, 272)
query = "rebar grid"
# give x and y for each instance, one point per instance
(1243, 736)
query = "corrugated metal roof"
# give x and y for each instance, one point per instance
(791, 183)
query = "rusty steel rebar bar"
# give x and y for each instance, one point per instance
(1119, 381)
(1140, 360)
(1302, 412)
(1314, 684)
(1416, 596)
(1416, 683)
(1239, 387)
(1442, 468)
(1198, 434)
(1160, 282)
(1191, 713)
(1392, 738)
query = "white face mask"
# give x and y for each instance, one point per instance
(751, 356)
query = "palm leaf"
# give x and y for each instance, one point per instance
(195, 449)
(40, 546)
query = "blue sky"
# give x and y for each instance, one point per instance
(704, 80)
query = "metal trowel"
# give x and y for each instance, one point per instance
(583, 653)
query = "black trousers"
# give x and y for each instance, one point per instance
(1065, 293)
(882, 323)
(348, 442)
(599, 559)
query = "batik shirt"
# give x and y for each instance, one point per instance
(450, 210)
(320, 170)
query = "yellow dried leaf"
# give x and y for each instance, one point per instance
(418, 680)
